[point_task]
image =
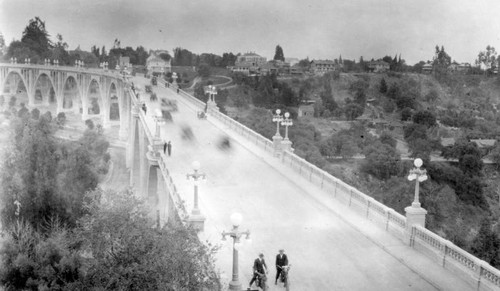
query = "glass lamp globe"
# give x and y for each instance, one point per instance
(418, 162)
(236, 219)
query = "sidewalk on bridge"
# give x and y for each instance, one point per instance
(419, 263)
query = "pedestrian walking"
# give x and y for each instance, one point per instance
(178, 90)
(259, 269)
(165, 147)
(144, 107)
(169, 148)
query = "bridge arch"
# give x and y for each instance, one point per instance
(47, 93)
(114, 102)
(18, 79)
(95, 100)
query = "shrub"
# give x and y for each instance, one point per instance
(61, 119)
(90, 124)
(35, 113)
(12, 101)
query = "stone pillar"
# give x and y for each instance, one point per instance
(277, 140)
(60, 101)
(286, 145)
(105, 111)
(131, 144)
(45, 96)
(143, 162)
(415, 215)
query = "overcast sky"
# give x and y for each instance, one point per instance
(316, 28)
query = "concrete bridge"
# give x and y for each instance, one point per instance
(336, 237)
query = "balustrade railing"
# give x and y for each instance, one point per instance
(72, 69)
(483, 275)
(452, 257)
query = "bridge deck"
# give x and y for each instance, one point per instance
(329, 246)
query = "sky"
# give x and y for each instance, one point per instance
(318, 29)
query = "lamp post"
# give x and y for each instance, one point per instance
(196, 177)
(158, 117)
(277, 139)
(211, 91)
(236, 234)
(419, 175)
(415, 215)
(287, 121)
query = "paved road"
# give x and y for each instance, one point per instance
(329, 247)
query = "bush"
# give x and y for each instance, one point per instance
(406, 114)
(2, 100)
(90, 124)
(12, 101)
(35, 113)
(61, 119)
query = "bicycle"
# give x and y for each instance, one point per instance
(284, 276)
(261, 281)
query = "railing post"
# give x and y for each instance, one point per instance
(412, 235)
(479, 272)
(368, 203)
(310, 174)
(335, 190)
(445, 252)
(322, 179)
(388, 219)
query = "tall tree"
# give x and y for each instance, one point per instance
(487, 58)
(278, 55)
(36, 37)
(486, 244)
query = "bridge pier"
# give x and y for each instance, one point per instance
(134, 120)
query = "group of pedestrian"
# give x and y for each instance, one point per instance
(260, 267)
(167, 147)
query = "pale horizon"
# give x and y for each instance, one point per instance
(318, 29)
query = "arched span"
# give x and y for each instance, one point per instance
(70, 88)
(16, 72)
(51, 83)
(95, 98)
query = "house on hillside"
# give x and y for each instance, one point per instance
(306, 110)
(485, 145)
(251, 58)
(378, 66)
(268, 68)
(447, 142)
(296, 70)
(157, 66)
(320, 67)
(427, 68)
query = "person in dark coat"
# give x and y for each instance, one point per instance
(169, 148)
(281, 260)
(165, 147)
(144, 107)
(259, 268)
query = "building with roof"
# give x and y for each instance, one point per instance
(378, 66)
(157, 66)
(320, 67)
(306, 110)
(427, 68)
(251, 59)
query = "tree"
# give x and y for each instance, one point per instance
(487, 58)
(127, 252)
(204, 70)
(486, 244)
(278, 55)
(36, 37)
(383, 86)
(353, 111)
(424, 117)
(387, 138)
(406, 114)
(3, 47)
(382, 161)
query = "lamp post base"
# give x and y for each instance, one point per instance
(287, 145)
(235, 285)
(197, 222)
(277, 140)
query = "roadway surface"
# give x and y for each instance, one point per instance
(329, 247)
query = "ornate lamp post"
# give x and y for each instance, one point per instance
(236, 234)
(287, 121)
(419, 175)
(277, 139)
(196, 218)
(158, 117)
(211, 91)
(415, 215)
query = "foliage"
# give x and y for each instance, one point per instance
(61, 119)
(406, 114)
(35, 113)
(387, 138)
(486, 244)
(128, 254)
(424, 117)
(383, 86)
(487, 58)
(90, 124)
(36, 37)
(278, 55)
(12, 101)
(382, 161)
(203, 70)
(353, 111)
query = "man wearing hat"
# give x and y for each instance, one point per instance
(259, 268)
(281, 260)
